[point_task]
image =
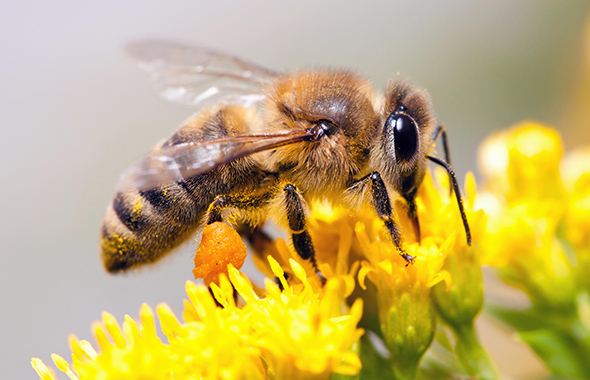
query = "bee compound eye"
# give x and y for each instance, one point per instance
(405, 136)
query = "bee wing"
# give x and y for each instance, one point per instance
(198, 76)
(171, 164)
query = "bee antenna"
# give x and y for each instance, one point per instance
(453, 178)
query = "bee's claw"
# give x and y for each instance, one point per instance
(409, 258)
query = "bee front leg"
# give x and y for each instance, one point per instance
(453, 186)
(442, 131)
(382, 204)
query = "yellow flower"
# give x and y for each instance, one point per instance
(304, 334)
(521, 164)
(576, 179)
(538, 238)
(458, 302)
(293, 334)
(207, 346)
(332, 231)
(407, 313)
(525, 213)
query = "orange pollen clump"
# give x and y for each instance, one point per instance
(220, 245)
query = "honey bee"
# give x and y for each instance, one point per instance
(266, 141)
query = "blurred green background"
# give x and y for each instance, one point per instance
(74, 113)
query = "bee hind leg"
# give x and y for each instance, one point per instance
(295, 217)
(239, 202)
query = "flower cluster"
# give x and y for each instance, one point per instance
(299, 326)
(539, 240)
(300, 332)
(370, 314)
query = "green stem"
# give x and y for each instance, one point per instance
(405, 370)
(473, 357)
(375, 366)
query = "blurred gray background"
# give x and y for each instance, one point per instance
(74, 112)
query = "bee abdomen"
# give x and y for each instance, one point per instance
(141, 226)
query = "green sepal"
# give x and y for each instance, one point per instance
(375, 366)
(559, 352)
(560, 340)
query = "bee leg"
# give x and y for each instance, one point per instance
(277, 281)
(259, 240)
(235, 295)
(455, 186)
(441, 130)
(240, 202)
(452, 178)
(299, 235)
(413, 214)
(382, 205)
(295, 215)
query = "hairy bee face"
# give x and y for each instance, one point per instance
(341, 104)
(404, 139)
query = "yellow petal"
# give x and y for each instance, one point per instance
(363, 272)
(241, 284)
(113, 328)
(42, 370)
(63, 366)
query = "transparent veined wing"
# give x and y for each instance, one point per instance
(199, 76)
(171, 164)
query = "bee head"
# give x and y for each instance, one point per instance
(337, 108)
(403, 140)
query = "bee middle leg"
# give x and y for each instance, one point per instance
(296, 219)
(382, 205)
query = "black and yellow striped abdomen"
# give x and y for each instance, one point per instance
(141, 226)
